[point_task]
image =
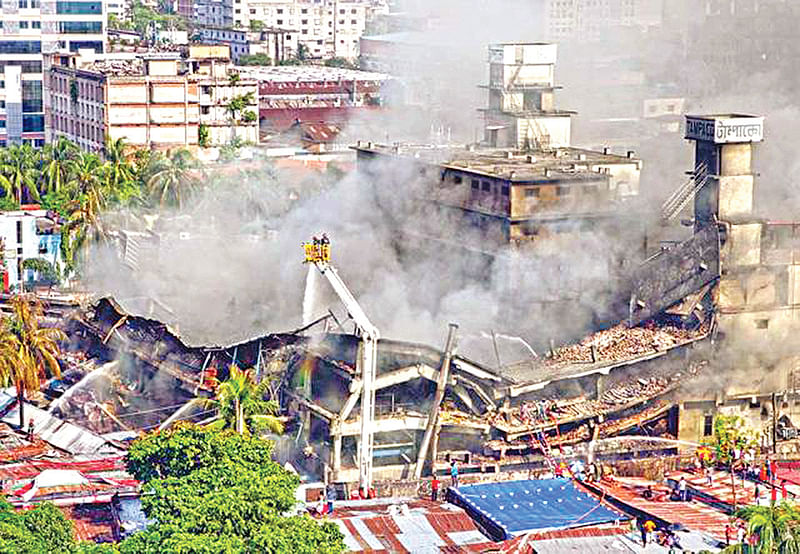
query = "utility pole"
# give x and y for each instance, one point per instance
(774, 424)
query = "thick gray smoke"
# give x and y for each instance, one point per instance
(230, 266)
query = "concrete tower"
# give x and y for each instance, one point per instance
(521, 112)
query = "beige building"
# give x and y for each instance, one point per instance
(521, 110)
(590, 19)
(153, 100)
(327, 29)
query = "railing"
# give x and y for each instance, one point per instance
(684, 194)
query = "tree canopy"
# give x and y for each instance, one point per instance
(212, 491)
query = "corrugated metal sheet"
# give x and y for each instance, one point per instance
(56, 432)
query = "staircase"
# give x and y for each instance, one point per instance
(684, 194)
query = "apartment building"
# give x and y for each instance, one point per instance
(278, 44)
(156, 100)
(31, 28)
(326, 28)
(590, 19)
(25, 234)
(213, 13)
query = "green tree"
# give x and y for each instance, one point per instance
(243, 406)
(343, 63)
(57, 158)
(211, 491)
(255, 59)
(18, 173)
(777, 528)
(730, 431)
(41, 529)
(173, 179)
(256, 25)
(36, 348)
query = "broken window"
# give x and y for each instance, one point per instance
(762, 324)
(457, 179)
(475, 184)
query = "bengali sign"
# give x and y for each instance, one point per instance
(725, 130)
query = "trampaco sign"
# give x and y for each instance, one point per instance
(725, 130)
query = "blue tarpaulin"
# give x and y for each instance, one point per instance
(512, 508)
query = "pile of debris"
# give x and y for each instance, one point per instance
(531, 416)
(620, 342)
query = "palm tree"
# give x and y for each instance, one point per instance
(18, 173)
(83, 221)
(173, 179)
(242, 406)
(56, 164)
(37, 348)
(777, 527)
(119, 168)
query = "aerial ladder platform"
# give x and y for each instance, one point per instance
(318, 252)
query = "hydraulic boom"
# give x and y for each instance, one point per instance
(318, 252)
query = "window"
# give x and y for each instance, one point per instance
(708, 425)
(531, 193)
(458, 179)
(475, 184)
(23, 4)
(205, 110)
(504, 190)
(24, 24)
(32, 123)
(486, 186)
(31, 96)
(19, 232)
(82, 27)
(762, 324)
(75, 45)
(280, 10)
(353, 22)
(68, 7)
(21, 47)
(205, 89)
(36, 24)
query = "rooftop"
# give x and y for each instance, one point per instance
(503, 163)
(308, 73)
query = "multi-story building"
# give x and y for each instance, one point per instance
(589, 19)
(521, 111)
(326, 28)
(118, 8)
(278, 44)
(31, 28)
(211, 70)
(310, 93)
(26, 234)
(148, 101)
(213, 13)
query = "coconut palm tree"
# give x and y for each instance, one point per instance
(241, 405)
(777, 528)
(37, 348)
(56, 163)
(119, 168)
(173, 179)
(18, 173)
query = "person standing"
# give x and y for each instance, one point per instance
(648, 528)
(682, 488)
(330, 496)
(727, 534)
(30, 430)
(434, 488)
(454, 473)
(784, 494)
(709, 477)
